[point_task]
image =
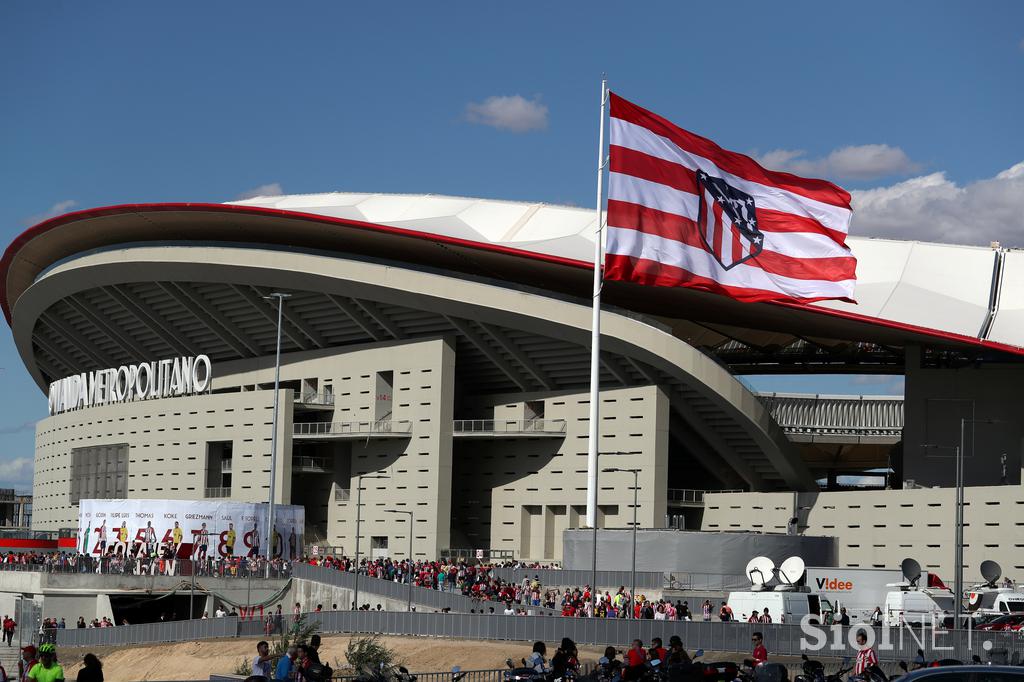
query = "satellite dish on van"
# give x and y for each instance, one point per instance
(791, 571)
(911, 571)
(760, 570)
(990, 571)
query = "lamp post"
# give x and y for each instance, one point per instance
(273, 436)
(958, 516)
(409, 574)
(597, 510)
(636, 489)
(359, 518)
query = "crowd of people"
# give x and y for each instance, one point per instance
(479, 582)
(152, 564)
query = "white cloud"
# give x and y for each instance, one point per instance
(272, 189)
(858, 162)
(934, 208)
(513, 113)
(57, 209)
(17, 473)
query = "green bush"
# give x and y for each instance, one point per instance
(368, 653)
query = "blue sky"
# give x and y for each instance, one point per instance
(104, 103)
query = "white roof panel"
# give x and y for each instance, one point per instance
(935, 286)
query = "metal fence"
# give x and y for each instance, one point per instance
(422, 596)
(513, 426)
(706, 582)
(892, 644)
(647, 580)
(364, 428)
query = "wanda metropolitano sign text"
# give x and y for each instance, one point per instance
(144, 381)
(228, 528)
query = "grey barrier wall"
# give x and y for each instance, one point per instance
(610, 580)
(422, 596)
(893, 644)
(670, 551)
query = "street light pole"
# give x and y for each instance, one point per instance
(958, 516)
(408, 575)
(359, 518)
(273, 436)
(636, 492)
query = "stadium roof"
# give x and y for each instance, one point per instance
(960, 298)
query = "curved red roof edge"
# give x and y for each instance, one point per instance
(57, 221)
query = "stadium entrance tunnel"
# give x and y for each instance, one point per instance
(155, 608)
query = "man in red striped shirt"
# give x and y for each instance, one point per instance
(866, 657)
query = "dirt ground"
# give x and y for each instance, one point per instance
(197, 660)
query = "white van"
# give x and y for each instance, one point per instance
(998, 601)
(917, 607)
(783, 606)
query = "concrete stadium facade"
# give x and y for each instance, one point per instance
(444, 344)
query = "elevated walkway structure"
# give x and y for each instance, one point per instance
(840, 434)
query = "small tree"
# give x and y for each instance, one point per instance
(369, 654)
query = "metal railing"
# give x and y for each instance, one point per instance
(423, 596)
(225, 466)
(892, 644)
(312, 465)
(557, 577)
(366, 428)
(217, 492)
(477, 554)
(509, 426)
(693, 496)
(706, 582)
(314, 398)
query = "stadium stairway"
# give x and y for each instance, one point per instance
(9, 659)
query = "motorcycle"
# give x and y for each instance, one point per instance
(813, 671)
(872, 674)
(522, 674)
(394, 674)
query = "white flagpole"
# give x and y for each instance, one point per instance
(595, 347)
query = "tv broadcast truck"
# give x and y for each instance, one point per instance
(787, 601)
(988, 599)
(911, 604)
(860, 590)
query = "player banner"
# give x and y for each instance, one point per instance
(206, 528)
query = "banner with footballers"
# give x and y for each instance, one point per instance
(194, 529)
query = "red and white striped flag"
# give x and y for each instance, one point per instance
(684, 212)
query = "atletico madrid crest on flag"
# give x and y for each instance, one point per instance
(683, 212)
(727, 222)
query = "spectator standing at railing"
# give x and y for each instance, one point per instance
(706, 610)
(9, 626)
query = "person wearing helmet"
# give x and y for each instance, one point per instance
(47, 669)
